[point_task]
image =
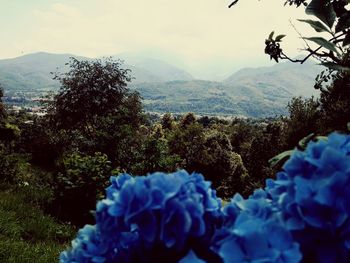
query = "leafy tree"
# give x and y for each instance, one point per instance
(43, 142)
(187, 120)
(241, 134)
(304, 119)
(96, 111)
(184, 139)
(215, 159)
(155, 155)
(335, 103)
(167, 121)
(90, 89)
(267, 144)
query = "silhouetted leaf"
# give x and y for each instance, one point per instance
(279, 38)
(323, 10)
(323, 42)
(346, 39)
(317, 25)
(343, 23)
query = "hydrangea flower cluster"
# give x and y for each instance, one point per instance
(158, 214)
(313, 195)
(302, 216)
(254, 232)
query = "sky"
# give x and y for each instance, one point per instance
(204, 37)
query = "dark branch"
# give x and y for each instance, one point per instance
(233, 3)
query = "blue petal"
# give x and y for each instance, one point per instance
(191, 258)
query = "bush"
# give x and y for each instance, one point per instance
(8, 168)
(82, 179)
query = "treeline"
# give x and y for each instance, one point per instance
(95, 126)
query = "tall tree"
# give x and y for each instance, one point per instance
(98, 111)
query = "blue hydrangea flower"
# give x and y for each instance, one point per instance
(158, 213)
(191, 257)
(87, 247)
(313, 195)
(254, 232)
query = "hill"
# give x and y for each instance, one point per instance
(250, 92)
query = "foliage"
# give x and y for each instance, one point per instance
(82, 179)
(215, 159)
(96, 112)
(184, 140)
(333, 18)
(302, 216)
(167, 121)
(155, 154)
(263, 147)
(335, 103)
(8, 167)
(88, 90)
(304, 118)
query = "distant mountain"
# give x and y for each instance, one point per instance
(250, 92)
(160, 70)
(283, 80)
(205, 98)
(32, 72)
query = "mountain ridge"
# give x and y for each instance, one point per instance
(250, 92)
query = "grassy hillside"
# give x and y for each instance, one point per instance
(27, 234)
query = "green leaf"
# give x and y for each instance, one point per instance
(279, 38)
(323, 10)
(271, 35)
(279, 158)
(335, 66)
(317, 25)
(304, 141)
(323, 42)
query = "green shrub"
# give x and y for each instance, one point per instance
(82, 179)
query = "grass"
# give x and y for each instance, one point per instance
(27, 234)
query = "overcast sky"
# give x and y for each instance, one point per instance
(202, 36)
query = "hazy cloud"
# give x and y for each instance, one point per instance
(199, 34)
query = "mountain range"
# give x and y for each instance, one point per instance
(249, 92)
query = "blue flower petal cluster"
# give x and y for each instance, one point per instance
(87, 247)
(302, 215)
(313, 195)
(155, 213)
(255, 232)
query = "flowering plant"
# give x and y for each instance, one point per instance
(302, 216)
(313, 196)
(158, 215)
